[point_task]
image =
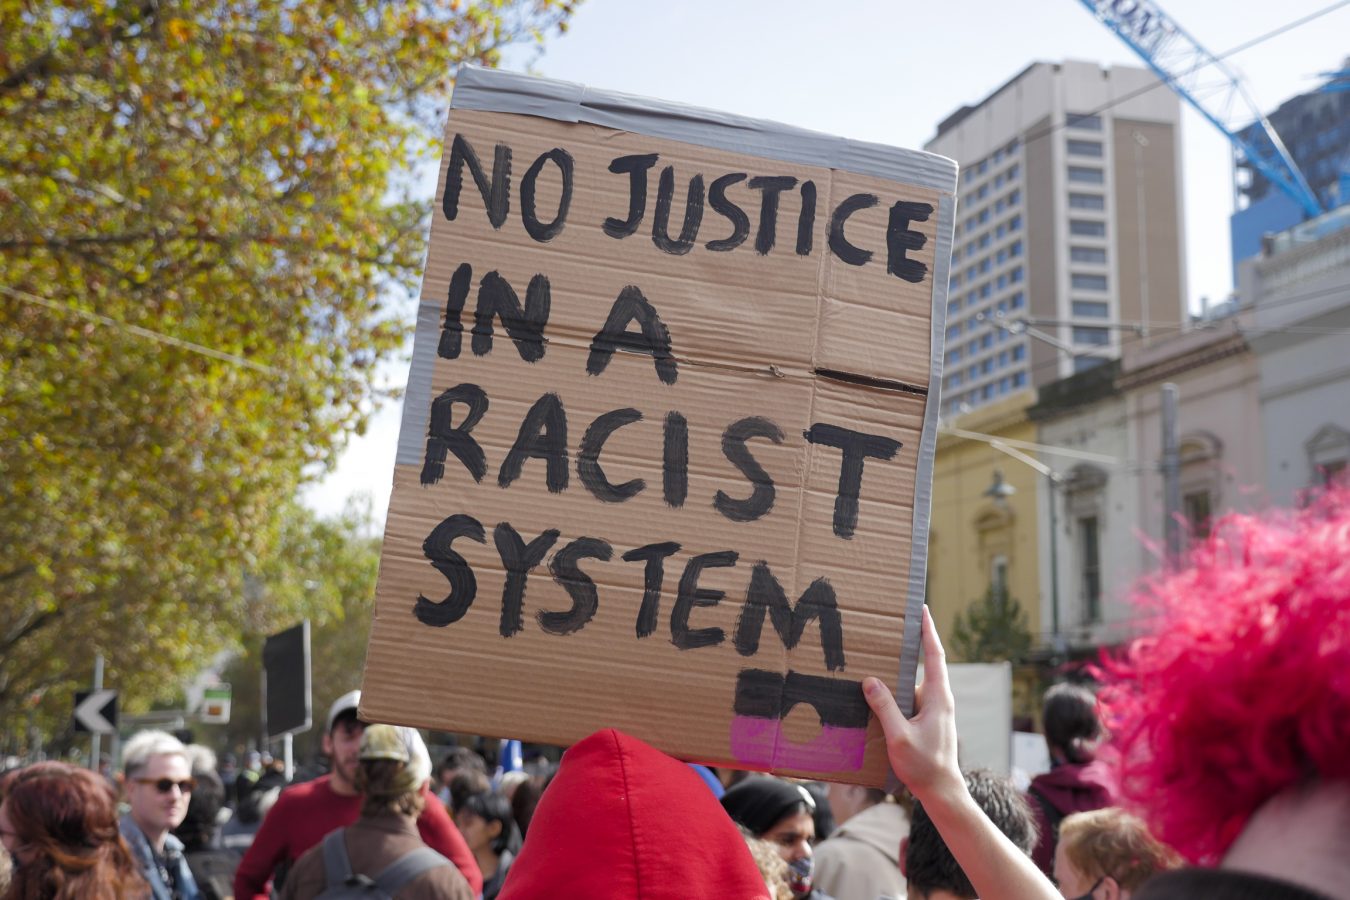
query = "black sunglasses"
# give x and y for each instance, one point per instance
(164, 785)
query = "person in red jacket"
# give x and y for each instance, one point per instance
(304, 813)
(623, 820)
(1077, 780)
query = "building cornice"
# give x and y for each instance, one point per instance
(1181, 355)
(995, 418)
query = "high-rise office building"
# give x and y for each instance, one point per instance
(1315, 129)
(1069, 214)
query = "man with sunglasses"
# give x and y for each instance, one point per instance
(158, 784)
(305, 813)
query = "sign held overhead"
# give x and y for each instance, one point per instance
(667, 445)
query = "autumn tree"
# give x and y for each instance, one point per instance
(324, 570)
(208, 232)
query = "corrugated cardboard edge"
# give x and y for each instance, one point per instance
(923, 492)
(492, 90)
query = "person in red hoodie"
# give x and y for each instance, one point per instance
(1077, 780)
(623, 820)
(304, 813)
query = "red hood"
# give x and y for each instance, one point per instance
(624, 820)
(1078, 788)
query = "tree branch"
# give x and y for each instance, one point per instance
(42, 66)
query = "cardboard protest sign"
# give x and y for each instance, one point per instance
(668, 437)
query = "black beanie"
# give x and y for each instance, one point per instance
(759, 802)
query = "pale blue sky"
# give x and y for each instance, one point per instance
(889, 72)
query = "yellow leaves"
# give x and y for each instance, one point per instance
(180, 31)
(263, 224)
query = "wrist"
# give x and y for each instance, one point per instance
(947, 789)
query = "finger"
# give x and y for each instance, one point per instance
(884, 707)
(934, 660)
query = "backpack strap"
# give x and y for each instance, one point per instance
(337, 865)
(1053, 814)
(407, 867)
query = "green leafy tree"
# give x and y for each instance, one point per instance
(207, 232)
(992, 629)
(325, 570)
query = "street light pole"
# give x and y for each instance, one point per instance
(1055, 639)
(1052, 480)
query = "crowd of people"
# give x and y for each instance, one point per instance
(1212, 763)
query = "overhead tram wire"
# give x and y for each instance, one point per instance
(1245, 45)
(144, 333)
(1171, 328)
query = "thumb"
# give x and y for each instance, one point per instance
(884, 707)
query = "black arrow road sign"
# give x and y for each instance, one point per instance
(96, 711)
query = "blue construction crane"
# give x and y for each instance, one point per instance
(1205, 82)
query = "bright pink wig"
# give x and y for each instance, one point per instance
(1243, 687)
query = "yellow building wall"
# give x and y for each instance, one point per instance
(969, 529)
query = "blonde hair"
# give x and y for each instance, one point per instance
(770, 865)
(145, 745)
(1112, 843)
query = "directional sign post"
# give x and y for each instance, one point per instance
(96, 711)
(215, 706)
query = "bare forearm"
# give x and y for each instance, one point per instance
(997, 869)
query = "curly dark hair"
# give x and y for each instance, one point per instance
(930, 866)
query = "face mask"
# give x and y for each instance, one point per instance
(799, 876)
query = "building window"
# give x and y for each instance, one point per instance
(1086, 175)
(954, 356)
(1019, 378)
(1016, 300)
(1085, 148)
(1087, 255)
(1014, 223)
(1082, 282)
(1015, 248)
(1086, 228)
(1084, 363)
(1328, 454)
(1015, 275)
(1084, 121)
(1087, 201)
(1097, 337)
(1088, 309)
(1196, 507)
(998, 577)
(1019, 352)
(1090, 569)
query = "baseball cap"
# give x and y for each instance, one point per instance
(400, 744)
(348, 701)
